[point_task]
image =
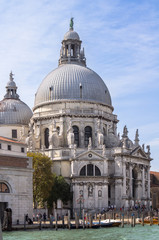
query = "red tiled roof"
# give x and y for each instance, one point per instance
(10, 140)
(154, 173)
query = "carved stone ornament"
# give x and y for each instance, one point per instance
(127, 186)
(55, 140)
(90, 190)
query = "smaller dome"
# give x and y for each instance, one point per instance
(71, 35)
(14, 111)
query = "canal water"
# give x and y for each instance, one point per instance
(117, 233)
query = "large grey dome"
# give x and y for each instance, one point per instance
(72, 82)
(14, 111)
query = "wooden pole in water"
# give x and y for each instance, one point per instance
(1, 237)
(132, 220)
(151, 218)
(69, 223)
(90, 220)
(51, 225)
(24, 221)
(40, 225)
(122, 223)
(100, 220)
(128, 218)
(63, 222)
(83, 219)
(86, 220)
(55, 219)
(142, 219)
(158, 218)
(76, 221)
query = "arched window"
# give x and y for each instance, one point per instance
(46, 137)
(87, 135)
(83, 171)
(90, 170)
(97, 171)
(76, 134)
(4, 188)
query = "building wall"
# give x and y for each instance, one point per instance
(17, 173)
(155, 189)
(22, 131)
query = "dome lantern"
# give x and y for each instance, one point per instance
(11, 88)
(71, 48)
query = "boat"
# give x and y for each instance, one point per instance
(110, 223)
(147, 220)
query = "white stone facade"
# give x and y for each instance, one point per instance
(73, 123)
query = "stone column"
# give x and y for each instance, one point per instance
(85, 195)
(105, 167)
(82, 135)
(124, 178)
(72, 167)
(148, 175)
(130, 183)
(143, 182)
(105, 194)
(118, 193)
(96, 195)
(69, 50)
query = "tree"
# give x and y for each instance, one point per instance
(43, 178)
(60, 190)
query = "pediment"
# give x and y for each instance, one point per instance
(138, 152)
(90, 155)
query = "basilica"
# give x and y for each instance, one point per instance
(73, 123)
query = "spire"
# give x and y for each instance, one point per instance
(136, 141)
(11, 88)
(71, 24)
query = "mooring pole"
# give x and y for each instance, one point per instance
(83, 219)
(122, 223)
(143, 219)
(1, 237)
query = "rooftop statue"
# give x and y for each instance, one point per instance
(71, 23)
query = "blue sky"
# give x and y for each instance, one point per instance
(121, 41)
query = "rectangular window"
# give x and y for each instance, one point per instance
(22, 150)
(14, 133)
(9, 147)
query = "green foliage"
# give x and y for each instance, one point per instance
(60, 190)
(42, 178)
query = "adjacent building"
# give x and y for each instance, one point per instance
(155, 189)
(16, 173)
(16, 191)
